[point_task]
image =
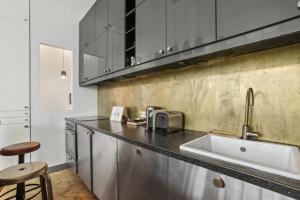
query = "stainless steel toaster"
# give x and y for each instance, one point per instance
(169, 121)
(149, 116)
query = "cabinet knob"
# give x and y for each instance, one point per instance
(108, 70)
(26, 126)
(218, 182)
(90, 132)
(26, 107)
(169, 49)
(137, 151)
(161, 51)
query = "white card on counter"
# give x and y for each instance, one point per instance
(117, 113)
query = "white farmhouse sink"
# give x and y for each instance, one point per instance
(278, 159)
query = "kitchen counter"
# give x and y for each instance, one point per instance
(169, 144)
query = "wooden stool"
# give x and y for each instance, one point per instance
(20, 150)
(24, 172)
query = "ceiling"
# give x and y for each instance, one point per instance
(81, 6)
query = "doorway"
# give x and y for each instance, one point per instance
(56, 69)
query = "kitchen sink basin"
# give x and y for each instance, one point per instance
(278, 159)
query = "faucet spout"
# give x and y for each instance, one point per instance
(249, 102)
(246, 134)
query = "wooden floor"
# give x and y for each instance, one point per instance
(66, 186)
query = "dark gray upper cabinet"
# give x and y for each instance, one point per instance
(150, 30)
(81, 66)
(82, 33)
(239, 16)
(102, 60)
(101, 16)
(93, 60)
(116, 35)
(91, 25)
(116, 11)
(116, 51)
(142, 173)
(87, 28)
(89, 62)
(138, 2)
(190, 23)
(101, 43)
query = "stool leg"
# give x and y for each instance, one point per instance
(46, 187)
(20, 191)
(21, 158)
(21, 186)
(43, 188)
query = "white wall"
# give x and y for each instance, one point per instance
(56, 25)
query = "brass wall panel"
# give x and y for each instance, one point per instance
(212, 95)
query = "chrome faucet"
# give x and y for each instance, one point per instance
(246, 134)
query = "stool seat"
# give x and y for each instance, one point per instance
(19, 149)
(22, 172)
(19, 174)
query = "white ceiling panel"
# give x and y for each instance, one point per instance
(81, 6)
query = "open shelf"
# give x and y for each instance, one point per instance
(130, 30)
(130, 21)
(130, 39)
(128, 49)
(130, 33)
(130, 5)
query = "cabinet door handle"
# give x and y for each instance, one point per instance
(105, 70)
(26, 126)
(169, 49)
(161, 51)
(108, 70)
(218, 182)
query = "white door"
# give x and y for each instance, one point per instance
(14, 76)
(14, 65)
(10, 134)
(15, 9)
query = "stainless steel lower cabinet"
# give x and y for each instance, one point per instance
(105, 166)
(191, 182)
(143, 174)
(84, 156)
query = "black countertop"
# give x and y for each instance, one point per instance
(169, 144)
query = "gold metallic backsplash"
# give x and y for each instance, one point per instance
(212, 95)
